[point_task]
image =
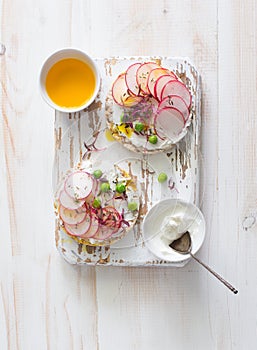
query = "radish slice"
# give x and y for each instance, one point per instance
(68, 202)
(154, 75)
(131, 80)
(93, 230)
(177, 88)
(176, 102)
(80, 229)
(79, 185)
(169, 122)
(160, 83)
(119, 89)
(95, 188)
(72, 217)
(121, 94)
(104, 233)
(142, 75)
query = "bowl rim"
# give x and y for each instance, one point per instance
(63, 53)
(183, 258)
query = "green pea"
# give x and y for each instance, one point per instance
(120, 188)
(132, 206)
(97, 203)
(153, 139)
(162, 177)
(97, 173)
(139, 127)
(105, 187)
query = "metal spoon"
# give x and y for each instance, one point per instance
(183, 245)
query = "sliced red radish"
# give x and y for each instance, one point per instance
(72, 216)
(104, 233)
(176, 102)
(121, 94)
(172, 74)
(93, 230)
(68, 202)
(95, 188)
(154, 75)
(169, 122)
(80, 229)
(94, 192)
(142, 76)
(131, 79)
(79, 185)
(177, 88)
(160, 83)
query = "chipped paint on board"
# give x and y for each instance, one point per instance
(181, 163)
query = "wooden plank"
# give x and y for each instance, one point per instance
(40, 295)
(237, 184)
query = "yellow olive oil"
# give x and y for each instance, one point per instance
(70, 83)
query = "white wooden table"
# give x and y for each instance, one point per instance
(46, 303)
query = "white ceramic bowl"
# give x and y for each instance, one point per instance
(192, 221)
(57, 56)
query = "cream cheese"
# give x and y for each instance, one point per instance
(172, 227)
(166, 221)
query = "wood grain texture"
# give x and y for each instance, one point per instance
(46, 303)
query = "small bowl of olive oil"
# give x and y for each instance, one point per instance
(69, 80)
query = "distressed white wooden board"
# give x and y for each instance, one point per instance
(181, 163)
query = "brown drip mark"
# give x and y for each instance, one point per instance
(57, 230)
(150, 262)
(108, 65)
(80, 247)
(102, 260)
(158, 61)
(94, 106)
(137, 230)
(71, 151)
(93, 120)
(58, 138)
(108, 69)
(182, 76)
(90, 249)
(79, 137)
(195, 75)
(133, 177)
(183, 159)
(144, 189)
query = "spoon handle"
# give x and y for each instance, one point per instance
(226, 283)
